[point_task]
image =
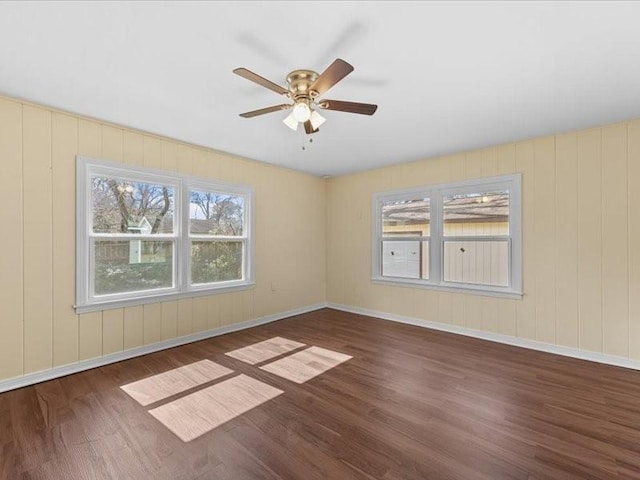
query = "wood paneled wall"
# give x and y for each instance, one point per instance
(580, 224)
(581, 192)
(38, 326)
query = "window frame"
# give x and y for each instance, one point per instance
(87, 301)
(436, 193)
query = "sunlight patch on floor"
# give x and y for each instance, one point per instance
(158, 387)
(196, 414)
(307, 364)
(261, 351)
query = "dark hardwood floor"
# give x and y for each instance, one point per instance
(411, 404)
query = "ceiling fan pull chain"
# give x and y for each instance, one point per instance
(304, 147)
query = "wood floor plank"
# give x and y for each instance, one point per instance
(410, 404)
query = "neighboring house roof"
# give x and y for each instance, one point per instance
(481, 208)
(143, 227)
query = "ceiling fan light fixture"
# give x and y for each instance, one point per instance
(316, 120)
(304, 87)
(291, 122)
(301, 112)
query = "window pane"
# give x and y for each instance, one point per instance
(476, 214)
(478, 262)
(405, 259)
(215, 214)
(130, 207)
(406, 218)
(216, 262)
(128, 266)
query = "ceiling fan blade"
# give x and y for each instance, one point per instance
(351, 107)
(254, 77)
(332, 75)
(262, 111)
(308, 128)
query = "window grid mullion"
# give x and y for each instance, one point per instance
(424, 238)
(435, 267)
(475, 238)
(220, 238)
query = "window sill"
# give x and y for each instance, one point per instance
(164, 297)
(470, 289)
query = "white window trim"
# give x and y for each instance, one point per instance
(86, 167)
(435, 193)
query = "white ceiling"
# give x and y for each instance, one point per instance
(446, 76)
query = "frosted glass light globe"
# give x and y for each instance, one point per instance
(291, 122)
(301, 112)
(316, 120)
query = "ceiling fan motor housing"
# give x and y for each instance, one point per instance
(300, 82)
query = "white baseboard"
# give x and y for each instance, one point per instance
(76, 367)
(496, 337)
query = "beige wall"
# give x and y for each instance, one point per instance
(581, 273)
(38, 327)
(581, 224)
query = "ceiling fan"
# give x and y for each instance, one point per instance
(304, 88)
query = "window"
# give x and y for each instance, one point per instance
(463, 237)
(145, 235)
